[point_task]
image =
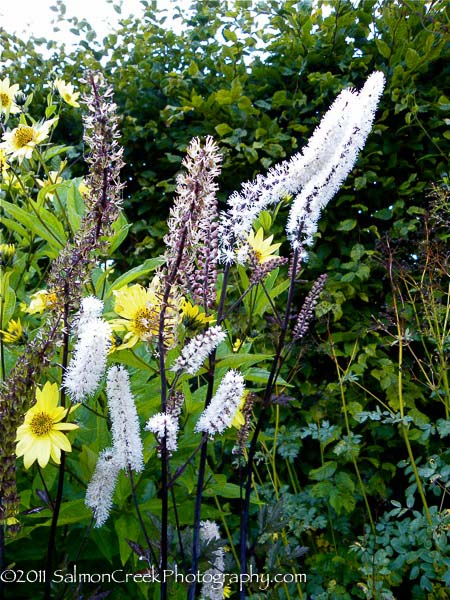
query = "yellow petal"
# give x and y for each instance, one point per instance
(43, 451)
(29, 458)
(60, 440)
(24, 445)
(64, 426)
(55, 453)
(48, 397)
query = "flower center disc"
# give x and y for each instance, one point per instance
(145, 321)
(5, 99)
(41, 424)
(23, 135)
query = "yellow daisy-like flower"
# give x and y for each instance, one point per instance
(262, 248)
(52, 179)
(4, 166)
(13, 333)
(84, 189)
(21, 141)
(237, 345)
(140, 309)
(193, 317)
(7, 97)
(40, 301)
(239, 419)
(7, 253)
(227, 591)
(41, 435)
(67, 92)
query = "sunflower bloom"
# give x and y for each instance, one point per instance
(13, 333)
(7, 253)
(8, 94)
(21, 141)
(40, 301)
(67, 92)
(140, 310)
(52, 179)
(193, 318)
(4, 166)
(41, 435)
(263, 249)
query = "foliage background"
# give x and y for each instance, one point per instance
(260, 92)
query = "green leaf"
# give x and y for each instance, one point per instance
(383, 48)
(127, 528)
(130, 358)
(223, 129)
(73, 511)
(412, 58)
(324, 472)
(41, 222)
(258, 375)
(236, 361)
(347, 225)
(7, 299)
(120, 231)
(148, 265)
(75, 205)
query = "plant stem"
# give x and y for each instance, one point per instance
(138, 512)
(203, 455)
(261, 420)
(59, 493)
(400, 337)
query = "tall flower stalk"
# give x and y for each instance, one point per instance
(195, 196)
(330, 155)
(68, 273)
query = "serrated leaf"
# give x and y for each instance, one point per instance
(324, 472)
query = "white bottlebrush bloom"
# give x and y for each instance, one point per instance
(223, 407)
(337, 129)
(91, 308)
(212, 588)
(21, 141)
(164, 426)
(88, 363)
(306, 207)
(126, 434)
(198, 349)
(100, 491)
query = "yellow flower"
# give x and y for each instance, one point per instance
(227, 591)
(7, 252)
(237, 345)
(239, 419)
(67, 92)
(7, 97)
(83, 188)
(21, 141)
(13, 333)
(193, 318)
(40, 437)
(4, 166)
(263, 249)
(140, 309)
(52, 179)
(40, 301)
